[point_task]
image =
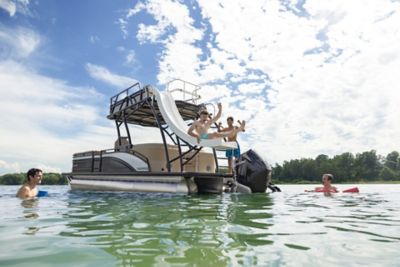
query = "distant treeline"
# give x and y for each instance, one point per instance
(347, 167)
(20, 178)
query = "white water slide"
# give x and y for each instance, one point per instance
(170, 113)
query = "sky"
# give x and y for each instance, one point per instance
(310, 77)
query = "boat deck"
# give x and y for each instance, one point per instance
(136, 105)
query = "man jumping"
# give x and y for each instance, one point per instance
(199, 128)
(231, 154)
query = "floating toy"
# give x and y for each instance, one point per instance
(351, 190)
(322, 190)
(42, 193)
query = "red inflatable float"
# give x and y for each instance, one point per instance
(332, 190)
(351, 190)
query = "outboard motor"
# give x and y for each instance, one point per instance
(252, 171)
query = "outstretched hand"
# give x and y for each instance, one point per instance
(241, 125)
(219, 105)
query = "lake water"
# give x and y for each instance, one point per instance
(291, 228)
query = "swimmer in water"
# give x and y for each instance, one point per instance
(327, 189)
(29, 189)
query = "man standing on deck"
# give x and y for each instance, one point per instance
(231, 154)
(199, 128)
(29, 189)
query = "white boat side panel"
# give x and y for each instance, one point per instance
(108, 185)
(137, 163)
(174, 120)
(129, 178)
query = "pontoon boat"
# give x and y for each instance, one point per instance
(178, 164)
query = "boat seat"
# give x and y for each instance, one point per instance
(125, 146)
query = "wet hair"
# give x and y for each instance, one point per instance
(32, 172)
(204, 112)
(330, 176)
(229, 118)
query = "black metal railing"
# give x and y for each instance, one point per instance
(124, 93)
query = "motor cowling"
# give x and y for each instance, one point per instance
(252, 171)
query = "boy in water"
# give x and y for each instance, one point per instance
(29, 189)
(199, 128)
(231, 154)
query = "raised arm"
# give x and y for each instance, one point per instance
(216, 118)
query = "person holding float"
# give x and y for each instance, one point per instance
(327, 182)
(29, 189)
(328, 188)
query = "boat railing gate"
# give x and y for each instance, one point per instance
(184, 88)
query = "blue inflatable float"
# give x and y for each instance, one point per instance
(42, 193)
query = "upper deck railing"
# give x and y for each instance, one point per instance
(189, 91)
(134, 100)
(125, 93)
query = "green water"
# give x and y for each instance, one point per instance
(291, 228)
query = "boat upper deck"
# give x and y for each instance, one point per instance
(137, 106)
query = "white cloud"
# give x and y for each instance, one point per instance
(130, 57)
(103, 74)
(123, 26)
(8, 6)
(324, 81)
(45, 120)
(14, 6)
(94, 39)
(10, 167)
(18, 42)
(179, 47)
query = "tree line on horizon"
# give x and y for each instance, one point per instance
(347, 167)
(20, 178)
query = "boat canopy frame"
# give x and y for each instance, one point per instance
(136, 105)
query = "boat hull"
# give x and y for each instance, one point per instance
(157, 182)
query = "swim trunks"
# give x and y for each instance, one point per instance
(233, 152)
(204, 136)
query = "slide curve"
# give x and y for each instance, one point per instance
(173, 118)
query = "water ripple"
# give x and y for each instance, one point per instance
(291, 228)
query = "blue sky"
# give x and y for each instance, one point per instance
(309, 76)
(74, 33)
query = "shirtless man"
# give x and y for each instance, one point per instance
(199, 128)
(231, 154)
(327, 182)
(29, 190)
